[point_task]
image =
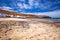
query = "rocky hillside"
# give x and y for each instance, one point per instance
(24, 15)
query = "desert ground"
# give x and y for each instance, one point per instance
(27, 29)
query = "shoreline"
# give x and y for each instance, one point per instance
(20, 19)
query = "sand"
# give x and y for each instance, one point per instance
(25, 29)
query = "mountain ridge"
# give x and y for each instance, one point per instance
(24, 15)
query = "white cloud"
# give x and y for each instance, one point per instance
(46, 5)
(34, 3)
(31, 2)
(38, 4)
(49, 5)
(23, 6)
(26, 6)
(20, 5)
(5, 8)
(53, 14)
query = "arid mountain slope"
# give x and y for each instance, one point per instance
(24, 15)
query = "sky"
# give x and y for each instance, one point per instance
(38, 7)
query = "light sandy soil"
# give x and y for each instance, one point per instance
(14, 19)
(19, 29)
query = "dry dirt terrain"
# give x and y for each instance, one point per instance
(25, 29)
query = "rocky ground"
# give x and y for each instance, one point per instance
(28, 30)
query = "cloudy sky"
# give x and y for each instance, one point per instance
(40, 7)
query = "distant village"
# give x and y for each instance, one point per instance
(9, 14)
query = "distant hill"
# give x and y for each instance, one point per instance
(23, 15)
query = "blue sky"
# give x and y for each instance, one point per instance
(32, 6)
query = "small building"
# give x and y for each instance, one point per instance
(10, 16)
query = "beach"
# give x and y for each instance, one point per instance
(27, 29)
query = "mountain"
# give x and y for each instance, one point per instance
(23, 15)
